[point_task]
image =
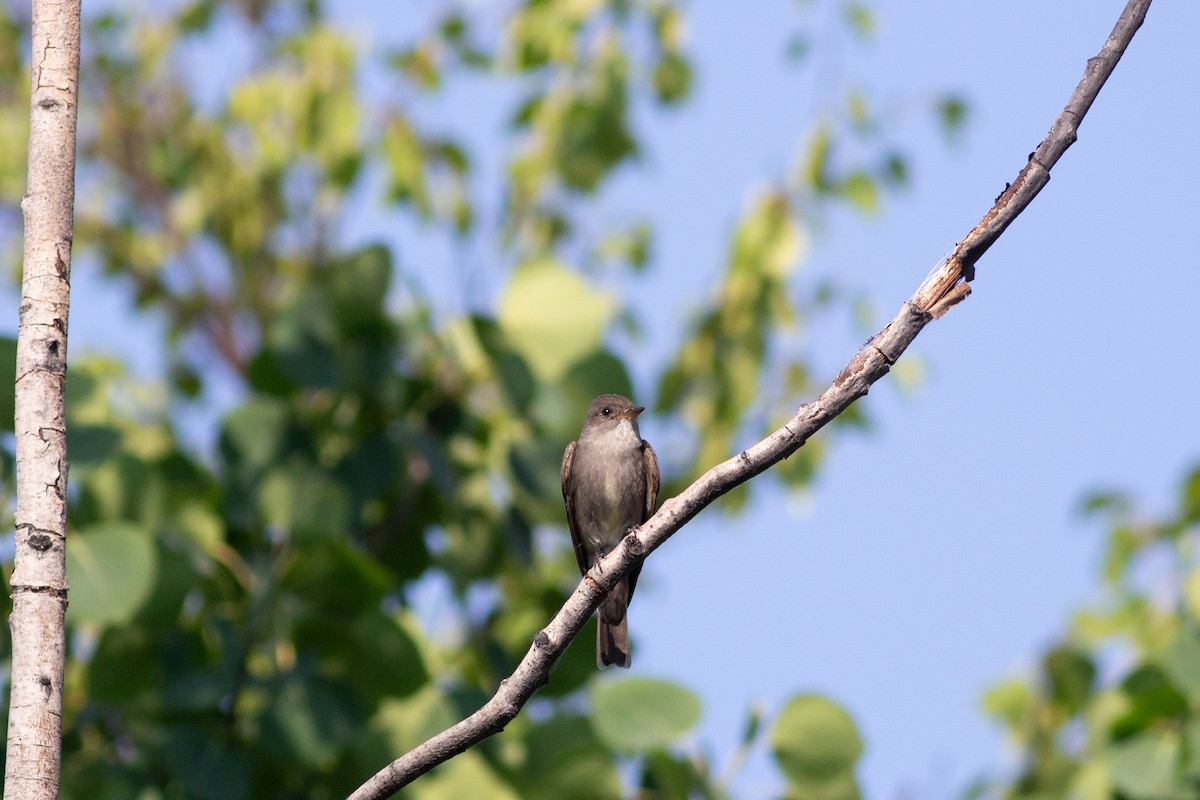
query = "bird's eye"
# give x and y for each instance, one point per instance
(606, 411)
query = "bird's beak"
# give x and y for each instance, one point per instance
(633, 412)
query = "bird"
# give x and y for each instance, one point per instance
(610, 482)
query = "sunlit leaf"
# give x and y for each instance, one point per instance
(816, 164)
(467, 775)
(861, 19)
(1181, 660)
(635, 714)
(552, 316)
(817, 745)
(1008, 702)
(672, 78)
(406, 164)
(1146, 765)
(861, 190)
(111, 569)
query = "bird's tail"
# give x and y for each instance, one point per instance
(612, 629)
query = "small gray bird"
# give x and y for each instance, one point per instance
(610, 484)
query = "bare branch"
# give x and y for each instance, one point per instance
(945, 287)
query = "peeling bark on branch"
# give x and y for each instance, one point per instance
(945, 287)
(39, 580)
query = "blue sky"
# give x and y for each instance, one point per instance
(939, 552)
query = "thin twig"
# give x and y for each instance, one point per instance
(944, 288)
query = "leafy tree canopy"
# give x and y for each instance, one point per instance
(241, 612)
(1111, 710)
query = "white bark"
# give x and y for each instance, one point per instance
(39, 581)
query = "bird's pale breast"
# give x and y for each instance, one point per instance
(616, 465)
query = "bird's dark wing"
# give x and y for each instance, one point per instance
(653, 479)
(569, 501)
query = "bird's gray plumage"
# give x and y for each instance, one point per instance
(610, 482)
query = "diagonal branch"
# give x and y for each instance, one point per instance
(946, 286)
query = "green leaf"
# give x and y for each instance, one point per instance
(1097, 502)
(252, 435)
(88, 445)
(672, 78)
(210, 769)
(858, 108)
(895, 170)
(1071, 674)
(1192, 739)
(563, 758)
(952, 112)
(1008, 702)
(123, 667)
(1146, 766)
(404, 724)
(753, 725)
(861, 190)
(535, 465)
(666, 774)
(1091, 782)
(1181, 660)
(817, 745)
(576, 666)
(552, 317)
(196, 16)
(816, 163)
(1153, 699)
(599, 373)
(798, 48)
(1190, 500)
(372, 637)
(637, 714)
(301, 341)
(111, 568)
(304, 503)
(337, 578)
(767, 244)
(632, 245)
(1191, 593)
(359, 287)
(1123, 544)
(510, 368)
(861, 19)
(308, 721)
(8, 369)
(593, 137)
(468, 775)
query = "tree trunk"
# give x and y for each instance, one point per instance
(39, 580)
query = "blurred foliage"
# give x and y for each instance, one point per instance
(1113, 709)
(243, 619)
